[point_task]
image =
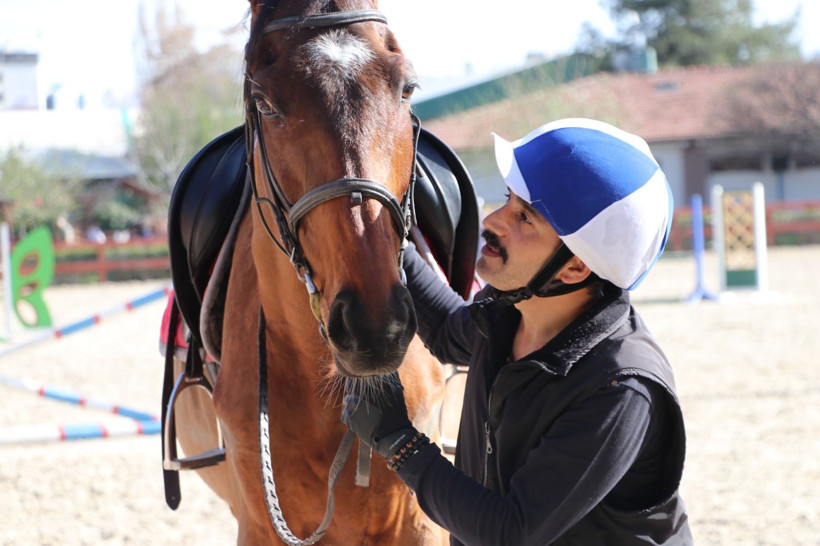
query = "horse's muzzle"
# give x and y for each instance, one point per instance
(369, 342)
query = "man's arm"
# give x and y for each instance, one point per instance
(444, 322)
(578, 462)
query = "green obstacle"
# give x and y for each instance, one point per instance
(32, 270)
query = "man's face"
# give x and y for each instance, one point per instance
(518, 241)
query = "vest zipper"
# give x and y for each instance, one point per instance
(488, 431)
(488, 450)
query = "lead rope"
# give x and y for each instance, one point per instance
(266, 463)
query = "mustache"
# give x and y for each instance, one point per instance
(491, 239)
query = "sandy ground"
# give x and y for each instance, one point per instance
(748, 376)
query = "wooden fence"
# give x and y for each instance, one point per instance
(790, 222)
(102, 259)
(787, 222)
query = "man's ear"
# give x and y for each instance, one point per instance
(574, 271)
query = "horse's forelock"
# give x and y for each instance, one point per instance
(335, 59)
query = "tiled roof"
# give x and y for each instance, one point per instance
(670, 105)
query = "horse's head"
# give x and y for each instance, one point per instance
(331, 145)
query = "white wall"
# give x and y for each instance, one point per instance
(670, 157)
(798, 185)
(98, 131)
(18, 85)
(803, 185)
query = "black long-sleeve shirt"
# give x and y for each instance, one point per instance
(579, 442)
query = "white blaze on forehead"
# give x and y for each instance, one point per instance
(338, 54)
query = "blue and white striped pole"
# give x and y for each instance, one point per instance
(24, 434)
(137, 422)
(82, 324)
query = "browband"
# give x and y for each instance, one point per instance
(325, 20)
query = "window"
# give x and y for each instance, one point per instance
(736, 163)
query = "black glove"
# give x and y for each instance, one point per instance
(378, 415)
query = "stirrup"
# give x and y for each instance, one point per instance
(210, 457)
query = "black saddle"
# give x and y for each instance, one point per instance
(210, 189)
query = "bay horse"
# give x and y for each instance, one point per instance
(331, 145)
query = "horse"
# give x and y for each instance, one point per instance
(315, 295)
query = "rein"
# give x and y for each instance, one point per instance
(357, 189)
(266, 463)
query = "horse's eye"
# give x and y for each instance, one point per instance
(265, 107)
(407, 91)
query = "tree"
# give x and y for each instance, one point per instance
(778, 111)
(696, 32)
(39, 199)
(188, 97)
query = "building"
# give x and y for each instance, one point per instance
(18, 80)
(731, 126)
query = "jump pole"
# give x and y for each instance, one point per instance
(110, 428)
(77, 399)
(138, 422)
(87, 322)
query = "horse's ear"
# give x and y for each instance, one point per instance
(256, 6)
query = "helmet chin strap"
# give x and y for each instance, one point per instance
(544, 284)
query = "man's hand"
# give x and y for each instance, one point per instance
(377, 414)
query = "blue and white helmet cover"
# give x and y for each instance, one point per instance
(601, 190)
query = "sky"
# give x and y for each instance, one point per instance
(88, 46)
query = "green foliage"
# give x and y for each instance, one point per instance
(113, 215)
(698, 32)
(39, 199)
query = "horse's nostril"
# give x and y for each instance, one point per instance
(404, 314)
(337, 329)
(372, 340)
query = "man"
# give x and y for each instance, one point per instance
(571, 432)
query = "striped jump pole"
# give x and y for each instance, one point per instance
(71, 397)
(87, 322)
(138, 422)
(24, 434)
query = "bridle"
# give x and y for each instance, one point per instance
(357, 188)
(287, 217)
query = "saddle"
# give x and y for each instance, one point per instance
(212, 195)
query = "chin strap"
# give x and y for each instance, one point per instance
(544, 284)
